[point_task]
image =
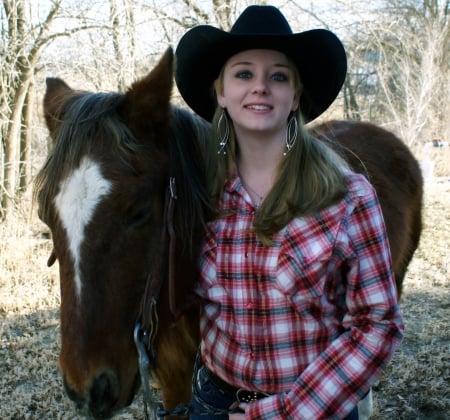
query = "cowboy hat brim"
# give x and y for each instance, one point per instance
(201, 53)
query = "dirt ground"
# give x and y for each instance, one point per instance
(416, 384)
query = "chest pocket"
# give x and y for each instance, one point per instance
(302, 268)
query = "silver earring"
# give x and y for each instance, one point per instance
(223, 132)
(291, 134)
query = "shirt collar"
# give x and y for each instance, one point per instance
(235, 188)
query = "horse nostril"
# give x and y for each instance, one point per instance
(104, 394)
(73, 395)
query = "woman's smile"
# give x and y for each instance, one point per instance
(258, 107)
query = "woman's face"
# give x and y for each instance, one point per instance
(258, 92)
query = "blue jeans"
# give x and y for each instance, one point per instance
(207, 392)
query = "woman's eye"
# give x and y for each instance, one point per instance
(244, 74)
(280, 77)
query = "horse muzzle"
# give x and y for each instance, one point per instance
(102, 398)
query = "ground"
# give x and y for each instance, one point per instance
(415, 385)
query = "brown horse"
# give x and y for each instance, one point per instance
(103, 193)
(394, 172)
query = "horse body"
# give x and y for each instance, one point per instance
(394, 172)
(103, 194)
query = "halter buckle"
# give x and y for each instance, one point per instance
(172, 188)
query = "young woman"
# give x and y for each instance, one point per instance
(299, 311)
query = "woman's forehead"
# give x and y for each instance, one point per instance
(272, 57)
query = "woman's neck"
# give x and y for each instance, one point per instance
(260, 152)
(257, 165)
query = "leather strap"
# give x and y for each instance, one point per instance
(157, 274)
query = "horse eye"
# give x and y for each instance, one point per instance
(136, 217)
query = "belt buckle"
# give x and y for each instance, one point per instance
(244, 396)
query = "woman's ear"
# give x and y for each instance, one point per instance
(296, 101)
(219, 93)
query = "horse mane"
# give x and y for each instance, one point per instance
(189, 135)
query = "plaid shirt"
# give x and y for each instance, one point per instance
(312, 319)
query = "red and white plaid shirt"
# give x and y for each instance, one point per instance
(312, 319)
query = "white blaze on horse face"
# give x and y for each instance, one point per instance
(79, 195)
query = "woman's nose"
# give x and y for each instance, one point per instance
(260, 86)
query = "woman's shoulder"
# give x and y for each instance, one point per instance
(359, 192)
(358, 185)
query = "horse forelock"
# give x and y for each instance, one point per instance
(72, 182)
(88, 126)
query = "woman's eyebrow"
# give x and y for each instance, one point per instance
(249, 63)
(241, 63)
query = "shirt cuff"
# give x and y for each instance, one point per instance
(267, 408)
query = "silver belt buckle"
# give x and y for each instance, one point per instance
(244, 396)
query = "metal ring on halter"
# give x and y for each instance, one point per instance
(150, 400)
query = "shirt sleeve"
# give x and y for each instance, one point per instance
(331, 386)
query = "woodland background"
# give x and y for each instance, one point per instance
(399, 78)
(398, 51)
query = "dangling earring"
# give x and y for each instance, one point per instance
(223, 132)
(291, 134)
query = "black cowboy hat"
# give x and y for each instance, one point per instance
(203, 50)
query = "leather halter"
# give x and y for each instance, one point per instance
(146, 327)
(156, 277)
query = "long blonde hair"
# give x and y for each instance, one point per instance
(310, 176)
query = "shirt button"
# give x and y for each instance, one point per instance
(249, 305)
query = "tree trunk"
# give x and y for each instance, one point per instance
(25, 141)
(12, 148)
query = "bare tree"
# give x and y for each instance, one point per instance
(413, 66)
(123, 35)
(222, 11)
(24, 36)
(21, 48)
(398, 53)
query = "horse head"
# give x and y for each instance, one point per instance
(101, 192)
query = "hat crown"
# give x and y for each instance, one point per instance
(261, 20)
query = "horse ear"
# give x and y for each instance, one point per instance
(146, 106)
(56, 91)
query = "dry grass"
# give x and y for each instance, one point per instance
(416, 383)
(414, 386)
